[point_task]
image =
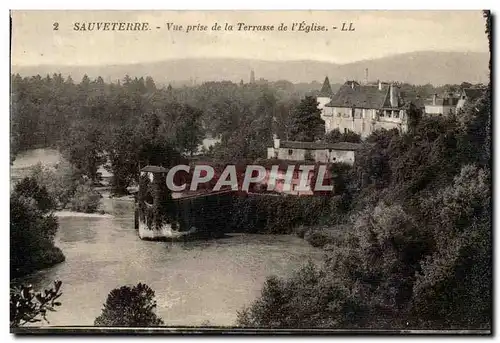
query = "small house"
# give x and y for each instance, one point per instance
(313, 151)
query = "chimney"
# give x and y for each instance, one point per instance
(434, 99)
(276, 142)
(366, 76)
(394, 96)
(379, 85)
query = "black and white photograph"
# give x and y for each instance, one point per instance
(251, 172)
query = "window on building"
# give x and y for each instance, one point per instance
(290, 151)
(396, 114)
(382, 113)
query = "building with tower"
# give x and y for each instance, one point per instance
(363, 108)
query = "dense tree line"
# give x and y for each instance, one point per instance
(125, 125)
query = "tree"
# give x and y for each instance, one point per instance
(414, 116)
(189, 131)
(283, 119)
(307, 123)
(85, 198)
(32, 230)
(30, 188)
(123, 156)
(61, 182)
(150, 84)
(83, 148)
(129, 306)
(459, 218)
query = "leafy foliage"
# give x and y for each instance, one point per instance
(307, 123)
(415, 250)
(83, 148)
(26, 306)
(32, 230)
(335, 136)
(29, 188)
(129, 306)
(60, 182)
(85, 199)
(275, 214)
(67, 187)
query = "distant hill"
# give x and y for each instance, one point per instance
(437, 68)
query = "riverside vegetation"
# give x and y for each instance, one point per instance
(408, 229)
(410, 244)
(407, 234)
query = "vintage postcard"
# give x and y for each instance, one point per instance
(270, 172)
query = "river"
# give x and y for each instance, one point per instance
(201, 282)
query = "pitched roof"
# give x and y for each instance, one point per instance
(283, 164)
(352, 94)
(320, 145)
(473, 93)
(154, 169)
(326, 90)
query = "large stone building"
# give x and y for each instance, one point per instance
(363, 108)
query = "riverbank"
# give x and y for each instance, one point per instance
(67, 213)
(322, 236)
(49, 258)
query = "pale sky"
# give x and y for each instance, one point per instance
(377, 34)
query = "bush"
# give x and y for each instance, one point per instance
(32, 232)
(308, 299)
(336, 136)
(320, 237)
(61, 182)
(85, 199)
(129, 306)
(30, 188)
